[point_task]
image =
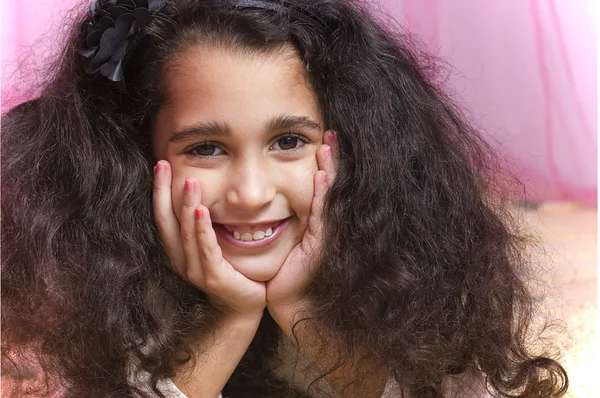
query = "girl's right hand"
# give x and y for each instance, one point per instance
(194, 253)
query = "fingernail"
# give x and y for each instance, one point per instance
(334, 135)
(158, 168)
(189, 185)
(324, 178)
(327, 150)
(199, 213)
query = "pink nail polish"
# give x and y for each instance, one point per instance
(158, 168)
(189, 185)
(199, 213)
(324, 178)
(327, 150)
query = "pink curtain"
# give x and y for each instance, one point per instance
(32, 31)
(526, 72)
(524, 69)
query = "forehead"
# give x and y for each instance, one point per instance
(209, 62)
(213, 83)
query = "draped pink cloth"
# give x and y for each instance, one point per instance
(525, 70)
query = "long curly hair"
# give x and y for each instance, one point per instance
(421, 265)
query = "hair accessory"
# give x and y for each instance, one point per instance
(110, 30)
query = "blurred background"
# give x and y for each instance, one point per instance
(525, 71)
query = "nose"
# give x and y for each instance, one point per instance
(251, 186)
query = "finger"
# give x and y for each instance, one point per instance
(191, 199)
(315, 220)
(325, 160)
(166, 221)
(327, 155)
(331, 138)
(209, 251)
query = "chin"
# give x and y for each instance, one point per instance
(257, 268)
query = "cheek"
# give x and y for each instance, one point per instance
(301, 189)
(208, 183)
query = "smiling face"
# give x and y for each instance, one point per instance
(247, 128)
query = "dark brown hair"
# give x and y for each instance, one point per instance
(420, 267)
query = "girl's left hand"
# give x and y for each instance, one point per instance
(286, 291)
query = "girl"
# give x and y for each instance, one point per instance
(259, 197)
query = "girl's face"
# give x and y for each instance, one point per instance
(247, 128)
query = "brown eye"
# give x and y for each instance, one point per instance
(288, 143)
(206, 150)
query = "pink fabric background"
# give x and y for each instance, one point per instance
(524, 69)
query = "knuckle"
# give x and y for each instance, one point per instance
(317, 210)
(160, 219)
(159, 193)
(188, 205)
(313, 234)
(210, 250)
(200, 232)
(187, 238)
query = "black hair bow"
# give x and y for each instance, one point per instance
(110, 31)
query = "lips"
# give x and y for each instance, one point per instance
(251, 229)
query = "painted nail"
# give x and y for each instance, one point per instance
(324, 178)
(199, 213)
(328, 150)
(334, 135)
(158, 168)
(189, 185)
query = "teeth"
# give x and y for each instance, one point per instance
(246, 236)
(257, 235)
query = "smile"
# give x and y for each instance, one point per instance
(252, 232)
(251, 236)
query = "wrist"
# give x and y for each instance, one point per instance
(224, 311)
(217, 354)
(226, 315)
(286, 315)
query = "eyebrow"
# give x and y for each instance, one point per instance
(223, 129)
